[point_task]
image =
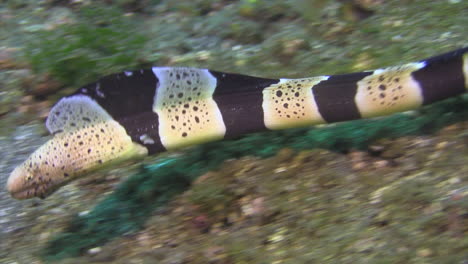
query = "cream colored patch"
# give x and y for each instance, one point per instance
(86, 138)
(290, 103)
(388, 91)
(185, 106)
(465, 69)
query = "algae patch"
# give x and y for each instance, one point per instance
(102, 41)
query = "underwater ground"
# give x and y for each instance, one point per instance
(390, 190)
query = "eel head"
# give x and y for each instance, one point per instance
(86, 138)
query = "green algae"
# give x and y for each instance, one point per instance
(102, 41)
(132, 203)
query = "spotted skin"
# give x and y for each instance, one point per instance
(290, 103)
(388, 91)
(184, 103)
(85, 138)
(135, 113)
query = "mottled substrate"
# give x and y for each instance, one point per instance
(316, 207)
(389, 202)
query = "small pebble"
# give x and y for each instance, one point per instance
(94, 251)
(425, 252)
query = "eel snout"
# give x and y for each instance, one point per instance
(46, 169)
(21, 188)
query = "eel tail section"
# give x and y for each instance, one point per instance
(136, 113)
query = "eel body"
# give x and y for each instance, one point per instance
(137, 113)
